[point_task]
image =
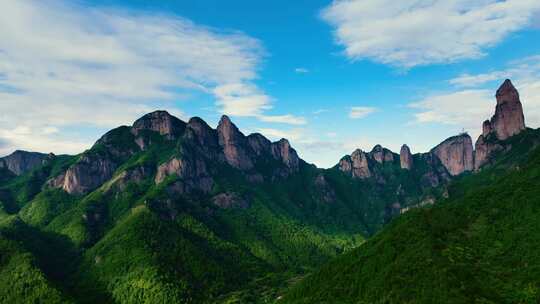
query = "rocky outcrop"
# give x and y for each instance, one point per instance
(200, 133)
(161, 122)
(381, 155)
(234, 144)
(283, 151)
(259, 144)
(405, 158)
(193, 174)
(88, 173)
(435, 174)
(508, 119)
(456, 154)
(20, 162)
(484, 148)
(356, 164)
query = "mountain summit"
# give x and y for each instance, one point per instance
(507, 121)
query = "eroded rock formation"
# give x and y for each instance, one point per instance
(20, 162)
(405, 158)
(456, 154)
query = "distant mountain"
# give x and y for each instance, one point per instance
(20, 162)
(477, 245)
(172, 211)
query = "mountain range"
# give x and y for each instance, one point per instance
(173, 211)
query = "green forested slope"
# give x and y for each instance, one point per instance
(133, 239)
(479, 246)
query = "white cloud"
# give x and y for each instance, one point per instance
(465, 109)
(63, 65)
(361, 112)
(240, 99)
(301, 70)
(276, 134)
(469, 107)
(320, 111)
(287, 119)
(409, 33)
(467, 80)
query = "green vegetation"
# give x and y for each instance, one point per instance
(479, 246)
(134, 241)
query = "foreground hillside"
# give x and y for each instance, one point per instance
(173, 211)
(479, 246)
(167, 211)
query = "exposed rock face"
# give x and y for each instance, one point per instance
(20, 162)
(283, 151)
(483, 150)
(192, 172)
(405, 158)
(233, 143)
(356, 164)
(161, 122)
(508, 119)
(436, 174)
(230, 200)
(199, 148)
(486, 128)
(381, 155)
(87, 174)
(456, 154)
(201, 133)
(259, 144)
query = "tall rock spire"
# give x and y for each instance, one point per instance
(508, 119)
(234, 144)
(405, 158)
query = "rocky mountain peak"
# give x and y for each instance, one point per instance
(282, 150)
(228, 132)
(161, 122)
(20, 162)
(405, 158)
(456, 154)
(198, 130)
(381, 155)
(508, 119)
(234, 144)
(356, 164)
(507, 93)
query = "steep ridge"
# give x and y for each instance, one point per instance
(172, 211)
(478, 244)
(197, 212)
(507, 121)
(20, 162)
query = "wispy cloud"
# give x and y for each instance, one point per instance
(361, 112)
(301, 70)
(411, 33)
(473, 99)
(286, 119)
(62, 64)
(295, 135)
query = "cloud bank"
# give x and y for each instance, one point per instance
(410, 33)
(66, 65)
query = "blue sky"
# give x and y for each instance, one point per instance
(329, 76)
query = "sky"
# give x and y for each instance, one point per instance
(330, 76)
